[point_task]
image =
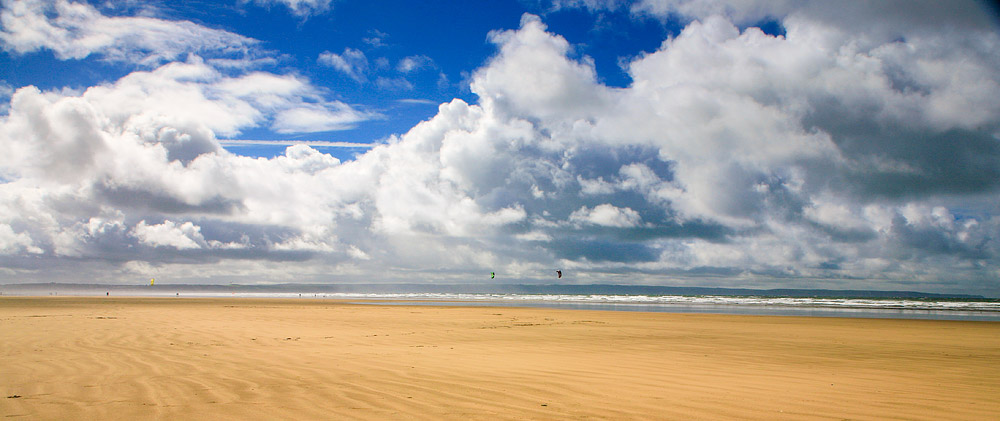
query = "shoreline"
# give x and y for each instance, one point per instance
(878, 308)
(500, 289)
(128, 357)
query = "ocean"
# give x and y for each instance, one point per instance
(807, 303)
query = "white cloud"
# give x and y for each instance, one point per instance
(592, 5)
(534, 236)
(76, 30)
(14, 242)
(871, 19)
(595, 187)
(414, 63)
(416, 101)
(532, 76)
(606, 215)
(176, 109)
(836, 216)
(169, 234)
(358, 253)
(393, 83)
(147, 144)
(505, 216)
(306, 118)
(821, 154)
(351, 62)
(376, 39)
(301, 8)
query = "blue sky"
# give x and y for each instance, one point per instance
(755, 144)
(388, 33)
(413, 61)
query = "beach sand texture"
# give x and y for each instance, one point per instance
(177, 358)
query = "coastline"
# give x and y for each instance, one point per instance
(125, 357)
(878, 304)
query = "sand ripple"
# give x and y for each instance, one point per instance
(98, 358)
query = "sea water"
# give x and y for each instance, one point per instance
(936, 309)
(770, 306)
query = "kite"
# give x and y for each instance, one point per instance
(493, 275)
(151, 281)
(559, 272)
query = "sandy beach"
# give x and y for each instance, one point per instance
(177, 358)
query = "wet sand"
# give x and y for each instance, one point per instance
(176, 358)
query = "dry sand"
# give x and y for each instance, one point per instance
(140, 358)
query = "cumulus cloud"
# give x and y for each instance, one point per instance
(870, 19)
(744, 147)
(179, 107)
(825, 157)
(74, 30)
(93, 167)
(168, 234)
(606, 215)
(13, 243)
(532, 76)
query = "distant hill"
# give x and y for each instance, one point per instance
(595, 289)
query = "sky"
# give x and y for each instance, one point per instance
(750, 144)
